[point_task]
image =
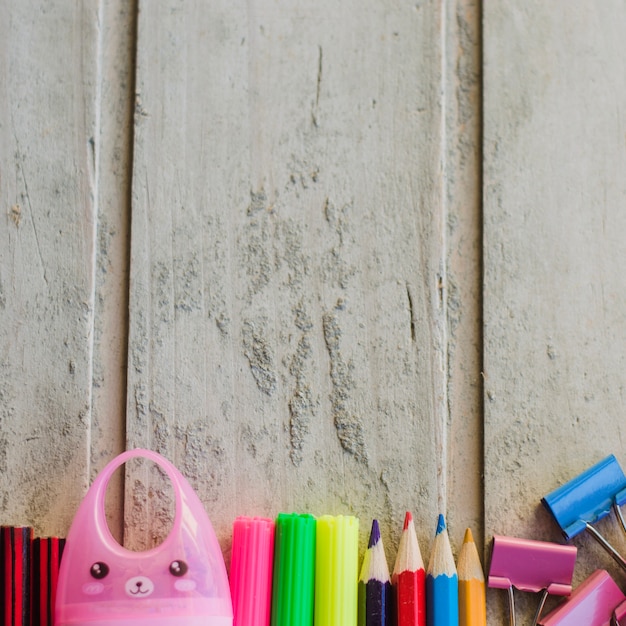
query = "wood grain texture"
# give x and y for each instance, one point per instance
(288, 318)
(304, 302)
(48, 123)
(65, 165)
(116, 107)
(554, 296)
(463, 189)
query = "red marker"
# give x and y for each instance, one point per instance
(409, 578)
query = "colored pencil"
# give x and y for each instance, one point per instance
(15, 563)
(251, 571)
(46, 557)
(375, 593)
(336, 570)
(472, 601)
(294, 570)
(442, 583)
(409, 578)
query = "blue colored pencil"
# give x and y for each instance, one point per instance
(376, 605)
(442, 583)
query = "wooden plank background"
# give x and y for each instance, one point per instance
(48, 179)
(290, 244)
(554, 299)
(288, 329)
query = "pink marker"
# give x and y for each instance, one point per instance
(251, 571)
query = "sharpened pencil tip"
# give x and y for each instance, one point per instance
(468, 538)
(408, 518)
(374, 535)
(441, 524)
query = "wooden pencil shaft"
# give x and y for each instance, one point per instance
(442, 601)
(472, 606)
(376, 604)
(411, 598)
(16, 546)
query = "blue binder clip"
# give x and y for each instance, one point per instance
(586, 499)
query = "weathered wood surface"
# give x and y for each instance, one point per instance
(48, 122)
(116, 68)
(463, 191)
(64, 138)
(303, 319)
(289, 345)
(555, 286)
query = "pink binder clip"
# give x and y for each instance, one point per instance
(619, 615)
(527, 565)
(592, 603)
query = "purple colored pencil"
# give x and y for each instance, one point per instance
(376, 602)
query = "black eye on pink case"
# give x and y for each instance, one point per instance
(99, 570)
(178, 568)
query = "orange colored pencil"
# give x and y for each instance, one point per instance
(472, 603)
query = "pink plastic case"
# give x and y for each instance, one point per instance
(181, 582)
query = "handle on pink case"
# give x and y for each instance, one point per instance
(94, 501)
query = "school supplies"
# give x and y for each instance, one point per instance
(46, 559)
(294, 570)
(587, 498)
(15, 574)
(336, 570)
(408, 578)
(472, 597)
(375, 594)
(251, 570)
(442, 585)
(528, 565)
(181, 581)
(592, 603)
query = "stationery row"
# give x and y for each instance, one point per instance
(299, 570)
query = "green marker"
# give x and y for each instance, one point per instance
(294, 570)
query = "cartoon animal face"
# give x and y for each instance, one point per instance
(141, 579)
(139, 587)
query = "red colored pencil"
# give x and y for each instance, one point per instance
(57, 552)
(409, 578)
(15, 553)
(45, 573)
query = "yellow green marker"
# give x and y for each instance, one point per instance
(336, 571)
